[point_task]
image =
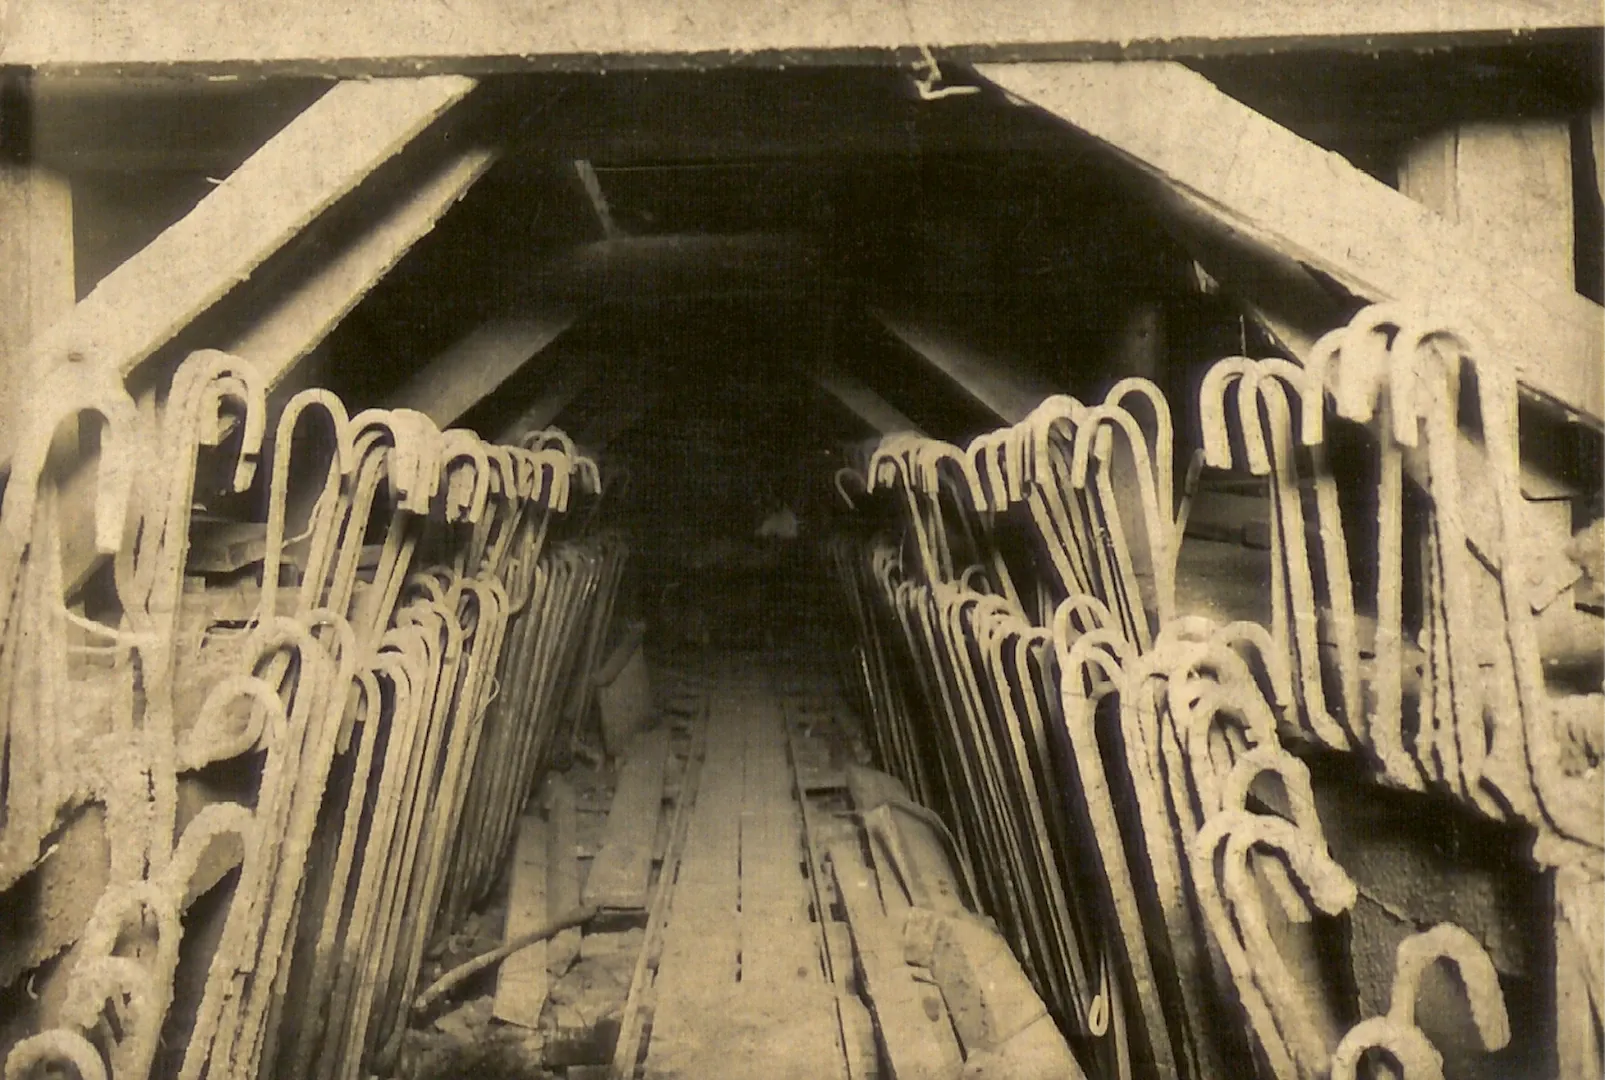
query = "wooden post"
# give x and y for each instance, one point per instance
(36, 254)
(1507, 184)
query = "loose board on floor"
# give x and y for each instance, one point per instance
(521, 981)
(623, 868)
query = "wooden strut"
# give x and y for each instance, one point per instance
(1257, 178)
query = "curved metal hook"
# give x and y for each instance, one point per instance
(56, 1046)
(1212, 407)
(461, 445)
(70, 390)
(1405, 1043)
(1451, 943)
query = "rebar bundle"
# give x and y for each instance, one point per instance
(391, 684)
(1126, 778)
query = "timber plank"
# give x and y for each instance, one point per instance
(638, 1005)
(563, 872)
(915, 1032)
(855, 1026)
(295, 322)
(702, 942)
(472, 368)
(320, 156)
(774, 893)
(1310, 205)
(623, 866)
(303, 36)
(780, 1019)
(858, 1038)
(521, 981)
(36, 266)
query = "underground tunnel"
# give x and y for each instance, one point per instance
(983, 565)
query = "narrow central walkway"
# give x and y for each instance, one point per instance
(741, 987)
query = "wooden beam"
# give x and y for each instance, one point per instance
(638, 269)
(320, 156)
(874, 411)
(1313, 207)
(1008, 394)
(36, 274)
(622, 868)
(568, 382)
(1507, 184)
(295, 321)
(522, 981)
(314, 37)
(474, 366)
(597, 198)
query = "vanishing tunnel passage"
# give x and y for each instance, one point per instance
(810, 573)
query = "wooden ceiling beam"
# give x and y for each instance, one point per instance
(332, 147)
(477, 364)
(1002, 390)
(569, 381)
(1289, 195)
(634, 269)
(478, 36)
(320, 156)
(872, 410)
(294, 321)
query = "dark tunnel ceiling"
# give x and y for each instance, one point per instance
(803, 194)
(784, 198)
(751, 217)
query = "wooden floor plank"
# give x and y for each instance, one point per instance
(774, 892)
(638, 1007)
(742, 888)
(855, 1026)
(623, 867)
(521, 982)
(562, 872)
(702, 941)
(915, 1032)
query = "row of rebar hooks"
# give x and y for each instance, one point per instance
(389, 668)
(1121, 774)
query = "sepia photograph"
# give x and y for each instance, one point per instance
(802, 540)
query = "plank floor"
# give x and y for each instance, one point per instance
(741, 987)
